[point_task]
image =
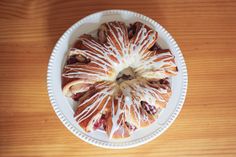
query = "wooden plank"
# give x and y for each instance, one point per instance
(206, 34)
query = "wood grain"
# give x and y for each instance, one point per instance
(206, 34)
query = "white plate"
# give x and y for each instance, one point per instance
(64, 107)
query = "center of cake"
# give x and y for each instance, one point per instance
(126, 74)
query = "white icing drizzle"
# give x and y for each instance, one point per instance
(116, 115)
(107, 60)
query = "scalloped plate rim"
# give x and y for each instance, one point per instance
(139, 141)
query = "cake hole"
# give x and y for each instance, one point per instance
(124, 75)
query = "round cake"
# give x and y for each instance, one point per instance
(119, 78)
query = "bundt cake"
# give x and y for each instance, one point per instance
(119, 79)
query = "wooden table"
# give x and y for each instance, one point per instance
(204, 30)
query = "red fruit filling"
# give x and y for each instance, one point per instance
(130, 126)
(150, 109)
(100, 123)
